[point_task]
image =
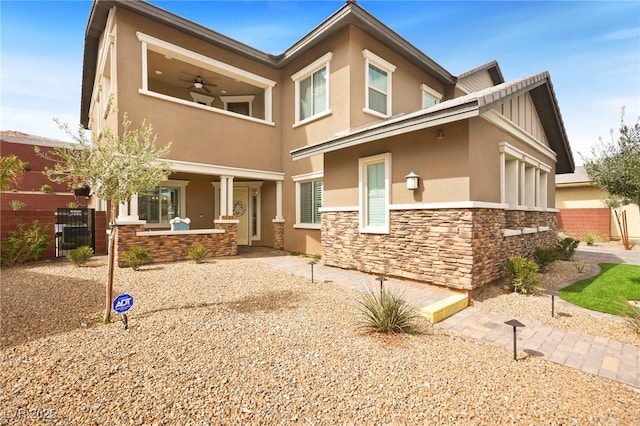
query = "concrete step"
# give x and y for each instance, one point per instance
(446, 307)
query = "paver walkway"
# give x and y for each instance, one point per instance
(596, 355)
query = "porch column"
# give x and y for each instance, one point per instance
(223, 196)
(279, 200)
(133, 207)
(230, 195)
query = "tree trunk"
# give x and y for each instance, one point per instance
(111, 260)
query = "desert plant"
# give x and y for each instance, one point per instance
(25, 243)
(72, 205)
(386, 312)
(544, 258)
(11, 171)
(47, 189)
(591, 237)
(26, 166)
(16, 204)
(135, 257)
(524, 274)
(566, 248)
(631, 315)
(197, 253)
(81, 255)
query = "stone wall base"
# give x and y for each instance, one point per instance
(171, 247)
(457, 248)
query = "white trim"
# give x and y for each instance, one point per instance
(188, 232)
(307, 226)
(203, 107)
(450, 205)
(186, 55)
(529, 230)
(217, 170)
(510, 127)
(543, 228)
(362, 192)
(200, 97)
(322, 62)
(226, 221)
(511, 232)
(238, 99)
(339, 209)
(308, 176)
(375, 60)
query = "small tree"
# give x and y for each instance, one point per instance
(616, 204)
(11, 171)
(115, 167)
(615, 165)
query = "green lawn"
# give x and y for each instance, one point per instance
(604, 291)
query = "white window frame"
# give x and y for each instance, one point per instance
(362, 192)
(523, 179)
(226, 100)
(431, 93)
(171, 183)
(306, 72)
(375, 60)
(298, 180)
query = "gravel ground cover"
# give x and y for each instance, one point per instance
(231, 341)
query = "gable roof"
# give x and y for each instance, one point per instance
(578, 178)
(491, 67)
(349, 14)
(472, 105)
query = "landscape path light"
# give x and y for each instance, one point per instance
(515, 324)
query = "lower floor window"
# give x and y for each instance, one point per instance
(162, 203)
(310, 201)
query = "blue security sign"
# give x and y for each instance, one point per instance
(123, 303)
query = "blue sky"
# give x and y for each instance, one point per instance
(591, 49)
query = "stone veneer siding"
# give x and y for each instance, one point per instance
(278, 235)
(456, 248)
(172, 247)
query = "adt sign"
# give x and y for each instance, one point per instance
(123, 303)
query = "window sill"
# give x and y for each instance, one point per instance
(312, 118)
(315, 226)
(377, 230)
(375, 113)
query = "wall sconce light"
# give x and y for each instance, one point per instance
(440, 134)
(412, 181)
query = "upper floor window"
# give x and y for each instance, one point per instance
(312, 89)
(430, 97)
(309, 193)
(378, 84)
(375, 193)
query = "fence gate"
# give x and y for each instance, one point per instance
(75, 228)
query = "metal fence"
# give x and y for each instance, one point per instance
(75, 228)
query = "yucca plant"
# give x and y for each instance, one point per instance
(386, 312)
(631, 315)
(16, 204)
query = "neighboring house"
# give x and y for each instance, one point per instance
(582, 209)
(310, 150)
(28, 189)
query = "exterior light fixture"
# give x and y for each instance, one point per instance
(412, 181)
(515, 324)
(197, 85)
(440, 134)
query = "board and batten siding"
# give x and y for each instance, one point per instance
(521, 111)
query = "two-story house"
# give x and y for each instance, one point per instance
(352, 143)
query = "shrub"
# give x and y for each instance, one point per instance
(26, 166)
(544, 258)
(524, 275)
(16, 204)
(566, 248)
(47, 189)
(197, 253)
(72, 205)
(591, 237)
(631, 315)
(386, 312)
(25, 244)
(135, 257)
(81, 255)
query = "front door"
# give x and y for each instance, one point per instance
(241, 213)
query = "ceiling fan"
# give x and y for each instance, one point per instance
(199, 83)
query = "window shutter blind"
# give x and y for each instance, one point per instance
(317, 199)
(375, 195)
(306, 202)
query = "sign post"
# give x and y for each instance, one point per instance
(121, 305)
